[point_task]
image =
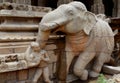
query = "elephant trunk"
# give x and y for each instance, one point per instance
(45, 29)
(50, 21)
(42, 38)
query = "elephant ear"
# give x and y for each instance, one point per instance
(90, 22)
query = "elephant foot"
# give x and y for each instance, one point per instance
(84, 75)
(94, 74)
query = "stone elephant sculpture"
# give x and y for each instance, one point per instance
(87, 37)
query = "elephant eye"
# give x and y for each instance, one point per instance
(70, 12)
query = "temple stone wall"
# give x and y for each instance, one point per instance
(17, 1)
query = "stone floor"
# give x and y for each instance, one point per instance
(89, 81)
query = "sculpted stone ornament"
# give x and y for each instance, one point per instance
(23, 7)
(42, 68)
(21, 62)
(40, 58)
(87, 36)
(32, 55)
(31, 58)
(11, 62)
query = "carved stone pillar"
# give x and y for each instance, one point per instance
(118, 4)
(97, 7)
(115, 9)
(63, 2)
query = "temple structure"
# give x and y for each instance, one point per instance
(19, 21)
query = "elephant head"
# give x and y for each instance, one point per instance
(73, 15)
(62, 15)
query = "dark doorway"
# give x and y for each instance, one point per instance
(108, 5)
(34, 2)
(88, 3)
(45, 3)
(52, 3)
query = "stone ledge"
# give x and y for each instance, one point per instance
(17, 13)
(23, 7)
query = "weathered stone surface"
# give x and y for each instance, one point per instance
(29, 18)
(22, 75)
(23, 7)
(111, 69)
(83, 41)
(114, 79)
(71, 78)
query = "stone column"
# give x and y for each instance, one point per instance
(115, 9)
(97, 7)
(118, 7)
(63, 2)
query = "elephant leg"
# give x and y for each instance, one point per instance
(81, 63)
(99, 61)
(96, 69)
(69, 58)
